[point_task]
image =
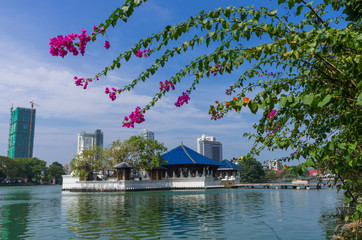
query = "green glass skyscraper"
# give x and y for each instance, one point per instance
(21, 136)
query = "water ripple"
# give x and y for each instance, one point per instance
(47, 213)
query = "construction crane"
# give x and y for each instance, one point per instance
(11, 113)
(30, 125)
(33, 103)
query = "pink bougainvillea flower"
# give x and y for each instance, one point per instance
(106, 45)
(134, 117)
(139, 53)
(167, 85)
(142, 53)
(112, 96)
(184, 98)
(271, 114)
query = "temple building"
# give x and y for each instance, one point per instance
(183, 168)
(183, 161)
(228, 169)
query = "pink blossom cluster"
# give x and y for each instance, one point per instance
(134, 117)
(60, 46)
(142, 53)
(80, 81)
(216, 116)
(273, 131)
(294, 153)
(183, 99)
(229, 91)
(112, 94)
(106, 45)
(271, 114)
(217, 70)
(97, 30)
(167, 85)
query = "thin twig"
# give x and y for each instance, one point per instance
(315, 13)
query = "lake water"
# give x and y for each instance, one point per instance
(45, 212)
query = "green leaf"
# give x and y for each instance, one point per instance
(359, 207)
(282, 101)
(325, 100)
(308, 99)
(253, 106)
(309, 162)
(273, 13)
(127, 56)
(299, 10)
(342, 145)
(331, 146)
(291, 4)
(207, 41)
(359, 99)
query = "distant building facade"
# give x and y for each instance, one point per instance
(21, 133)
(209, 147)
(274, 165)
(87, 141)
(66, 168)
(147, 134)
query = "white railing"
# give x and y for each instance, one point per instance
(71, 183)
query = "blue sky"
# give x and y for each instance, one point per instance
(29, 72)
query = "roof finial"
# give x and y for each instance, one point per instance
(182, 143)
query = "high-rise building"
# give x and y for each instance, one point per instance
(147, 134)
(21, 134)
(87, 141)
(209, 147)
(274, 165)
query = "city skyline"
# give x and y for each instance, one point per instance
(29, 72)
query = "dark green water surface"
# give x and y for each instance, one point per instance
(45, 212)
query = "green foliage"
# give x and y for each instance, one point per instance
(288, 175)
(316, 89)
(270, 175)
(89, 161)
(10, 169)
(32, 168)
(252, 170)
(141, 153)
(56, 170)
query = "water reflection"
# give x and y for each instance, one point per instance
(48, 213)
(144, 214)
(14, 214)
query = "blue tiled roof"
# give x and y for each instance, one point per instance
(183, 155)
(226, 164)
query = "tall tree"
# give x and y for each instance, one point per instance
(56, 170)
(33, 168)
(141, 153)
(89, 161)
(252, 170)
(10, 169)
